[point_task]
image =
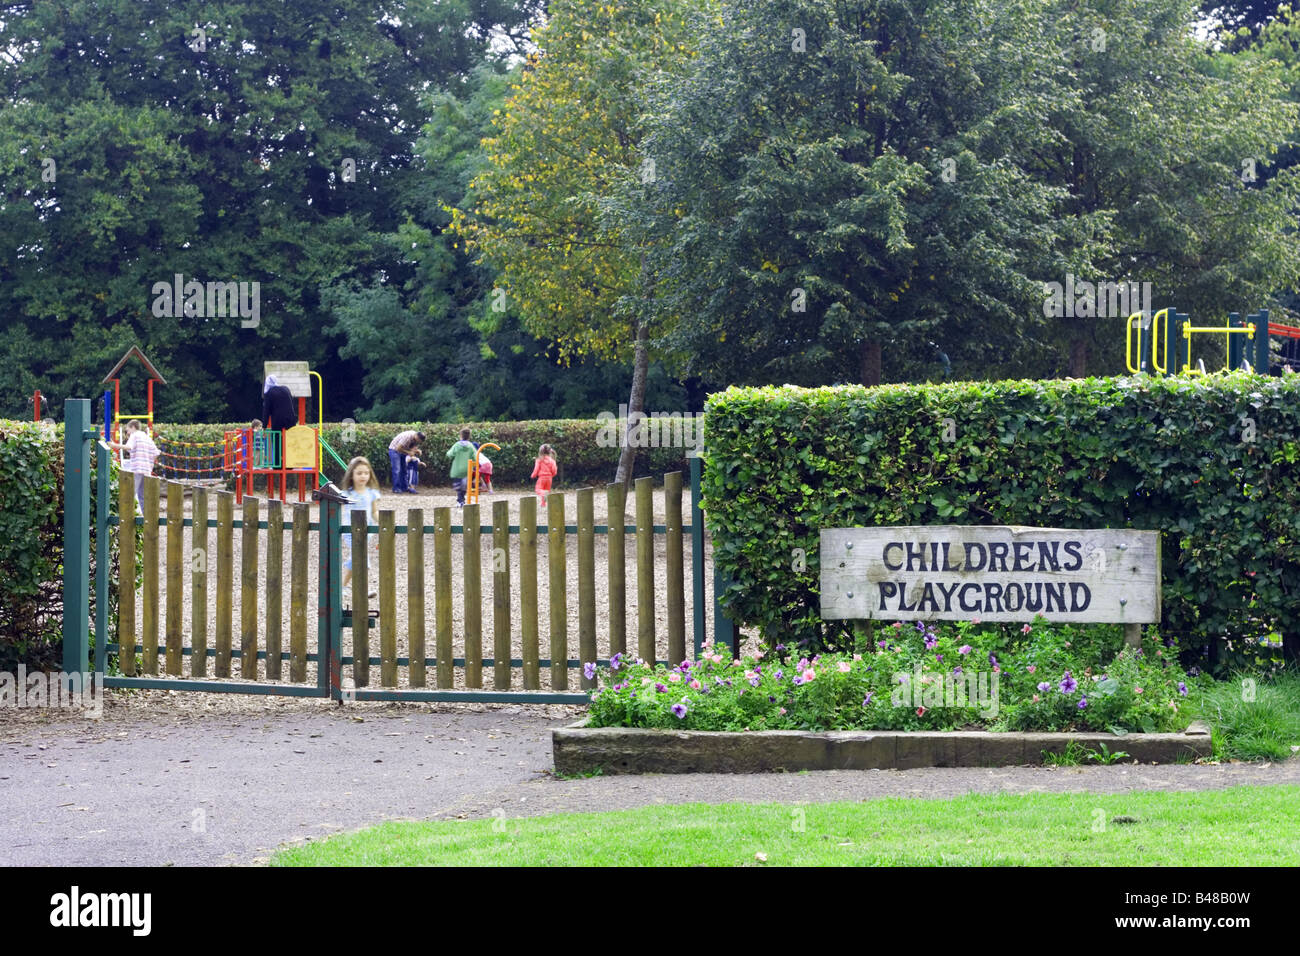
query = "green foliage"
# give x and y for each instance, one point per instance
(1210, 463)
(954, 677)
(577, 442)
(31, 545)
(1254, 718)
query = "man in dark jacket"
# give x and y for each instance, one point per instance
(278, 410)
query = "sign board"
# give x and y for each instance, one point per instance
(300, 447)
(292, 375)
(994, 573)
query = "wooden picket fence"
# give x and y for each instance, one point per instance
(262, 651)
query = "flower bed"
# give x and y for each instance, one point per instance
(913, 677)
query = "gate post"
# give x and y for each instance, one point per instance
(329, 609)
(697, 556)
(103, 552)
(76, 536)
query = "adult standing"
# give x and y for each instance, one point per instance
(278, 412)
(398, 450)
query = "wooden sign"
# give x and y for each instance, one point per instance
(997, 573)
(300, 447)
(295, 376)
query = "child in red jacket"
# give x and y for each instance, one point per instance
(544, 469)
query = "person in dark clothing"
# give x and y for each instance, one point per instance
(278, 412)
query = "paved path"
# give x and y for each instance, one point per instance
(229, 789)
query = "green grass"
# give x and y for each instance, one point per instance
(1263, 729)
(1241, 826)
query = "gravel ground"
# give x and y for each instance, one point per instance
(445, 497)
(157, 782)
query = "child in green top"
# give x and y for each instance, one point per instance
(460, 454)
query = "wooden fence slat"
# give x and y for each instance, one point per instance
(388, 598)
(501, 595)
(175, 575)
(616, 505)
(248, 561)
(199, 585)
(556, 545)
(360, 599)
(415, 596)
(301, 543)
(442, 595)
(587, 580)
(225, 580)
(149, 615)
(528, 592)
(274, 587)
(676, 583)
(126, 573)
(645, 570)
(473, 573)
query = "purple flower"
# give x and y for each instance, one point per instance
(660, 687)
(1182, 688)
(867, 700)
(1083, 702)
(938, 657)
(797, 680)
(718, 680)
(771, 700)
(679, 711)
(1044, 687)
(964, 649)
(616, 661)
(589, 670)
(920, 626)
(780, 647)
(780, 676)
(958, 670)
(930, 643)
(754, 681)
(1068, 684)
(993, 660)
(620, 686)
(902, 678)
(880, 644)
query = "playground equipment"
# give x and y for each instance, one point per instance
(112, 428)
(471, 495)
(280, 454)
(1169, 333)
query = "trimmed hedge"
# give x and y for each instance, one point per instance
(581, 458)
(1212, 463)
(31, 546)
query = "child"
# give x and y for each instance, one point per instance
(398, 449)
(544, 470)
(260, 459)
(485, 472)
(460, 454)
(362, 496)
(413, 464)
(143, 453)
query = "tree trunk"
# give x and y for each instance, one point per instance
(871, 363)
(1078, 358)
(635, 404)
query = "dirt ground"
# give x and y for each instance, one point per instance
(429, 498)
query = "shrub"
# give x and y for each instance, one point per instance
(914, 677)
(1211, 463)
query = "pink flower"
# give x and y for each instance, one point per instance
(997, 668)
(1035, 698)
(694, 684)
(645, 680)
(964, 649)
(920, 711)
(716, 658)
(898, 624)
(782, 710)
(1031, 668)
(1137, 690)
(845, 667)
(857, 657)
(808, 675)
(1026, 629)
(674, 677)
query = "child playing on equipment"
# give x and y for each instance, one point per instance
(143, 453)
(485, 472)
(362, 496)
(460, 454)
(259, 446)
(544, 469)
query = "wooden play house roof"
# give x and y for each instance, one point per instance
(134, 352)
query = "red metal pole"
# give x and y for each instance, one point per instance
(37, 399)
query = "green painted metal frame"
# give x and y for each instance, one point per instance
(331, 618)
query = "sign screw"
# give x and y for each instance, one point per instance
(848, 545)
(849, 593)
(1123, 601)
(1122, 547)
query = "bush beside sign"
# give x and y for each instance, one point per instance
(999, 573)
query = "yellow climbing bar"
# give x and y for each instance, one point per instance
(1156, 336)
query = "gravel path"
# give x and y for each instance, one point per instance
(157, 783)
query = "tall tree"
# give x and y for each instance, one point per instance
(252, 142)
(565, 140)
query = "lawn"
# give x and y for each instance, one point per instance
(1241, 826)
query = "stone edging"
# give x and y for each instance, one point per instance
(578, 749)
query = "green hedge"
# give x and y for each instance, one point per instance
(31, 546)
(581, 457)
(1171, 455)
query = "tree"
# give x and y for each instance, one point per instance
(220, 144)
(565, 140)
